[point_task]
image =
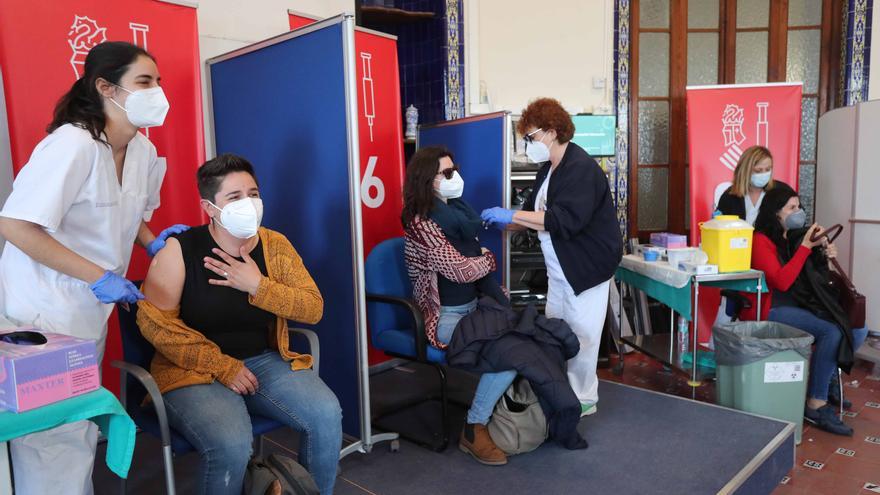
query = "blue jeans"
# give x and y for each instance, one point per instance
(216, 421)
(823, 362)
(492, 385)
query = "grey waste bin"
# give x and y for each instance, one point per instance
(762, 368)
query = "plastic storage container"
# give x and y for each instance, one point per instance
(727, 239)
(677, 255)
(762, 369)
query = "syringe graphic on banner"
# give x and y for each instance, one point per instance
(763, 125)
(139, 34)
(139, 38)
(367, 81)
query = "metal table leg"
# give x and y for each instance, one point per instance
(693, 381)
(672, 334)
(5, 472)
(621, 345)
(760, 289)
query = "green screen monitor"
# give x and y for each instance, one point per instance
(595, 133)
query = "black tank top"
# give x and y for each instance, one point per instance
(222, 314)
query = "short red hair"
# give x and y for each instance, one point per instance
(547, 114)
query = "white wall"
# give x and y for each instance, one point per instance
(225, 25)
(522, 49)
(874, 77)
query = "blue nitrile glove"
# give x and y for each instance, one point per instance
(112, 288)
(159, 242)
(497, 216)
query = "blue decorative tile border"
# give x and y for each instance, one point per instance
(619, 165)
(856, 51)
(454, 104)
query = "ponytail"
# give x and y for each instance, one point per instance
(82, 105)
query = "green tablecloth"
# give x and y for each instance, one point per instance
(680, 300)
(99, 407)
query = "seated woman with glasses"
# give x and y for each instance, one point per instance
(218, 298)
(449, 270)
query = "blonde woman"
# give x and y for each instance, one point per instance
(752, 177)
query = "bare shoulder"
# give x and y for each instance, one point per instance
(164, 283)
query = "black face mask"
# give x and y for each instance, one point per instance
(24, 338)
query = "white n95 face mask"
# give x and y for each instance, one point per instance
(537, 151)
(145, 107)
(451, 188)
(241, 218)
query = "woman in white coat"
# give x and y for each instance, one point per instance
(74, 213)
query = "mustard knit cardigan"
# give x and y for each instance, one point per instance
(186, 357)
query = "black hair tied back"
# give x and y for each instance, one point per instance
(83, 106)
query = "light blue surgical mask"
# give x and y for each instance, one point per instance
(761, 180)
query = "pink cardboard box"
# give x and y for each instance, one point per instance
(35, 375)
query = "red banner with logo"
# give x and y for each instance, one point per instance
(723, 121)
(381, 138)
(43, 46)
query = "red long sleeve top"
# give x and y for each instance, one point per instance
(779, 277)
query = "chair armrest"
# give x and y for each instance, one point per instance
(146, 379)
(418, 320)
(314, 344)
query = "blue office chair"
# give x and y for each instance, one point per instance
(397, 326)
(135, 383)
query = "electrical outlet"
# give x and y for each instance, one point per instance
(598, 82)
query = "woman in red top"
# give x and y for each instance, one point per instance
(782, 249)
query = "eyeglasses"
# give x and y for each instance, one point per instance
(449, 172)
(528, 138)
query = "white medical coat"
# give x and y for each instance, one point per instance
(70, 188)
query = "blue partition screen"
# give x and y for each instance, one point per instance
(478, 146)
(283, 108)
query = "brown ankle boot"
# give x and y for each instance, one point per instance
(475, 440)
(274, 488)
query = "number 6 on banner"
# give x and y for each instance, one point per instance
(371, 181)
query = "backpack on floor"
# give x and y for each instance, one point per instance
(518, 424)
(294, 478)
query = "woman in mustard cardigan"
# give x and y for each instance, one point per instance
(218, 298)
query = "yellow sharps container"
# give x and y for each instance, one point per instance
(727, 239)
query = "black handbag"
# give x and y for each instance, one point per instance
(850, 299)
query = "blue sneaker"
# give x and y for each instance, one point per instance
(588, 408)
(825, 418)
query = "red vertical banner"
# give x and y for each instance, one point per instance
(381, 137)
(381, 141)
(43, 46)
(723, 121)
(298, 20)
